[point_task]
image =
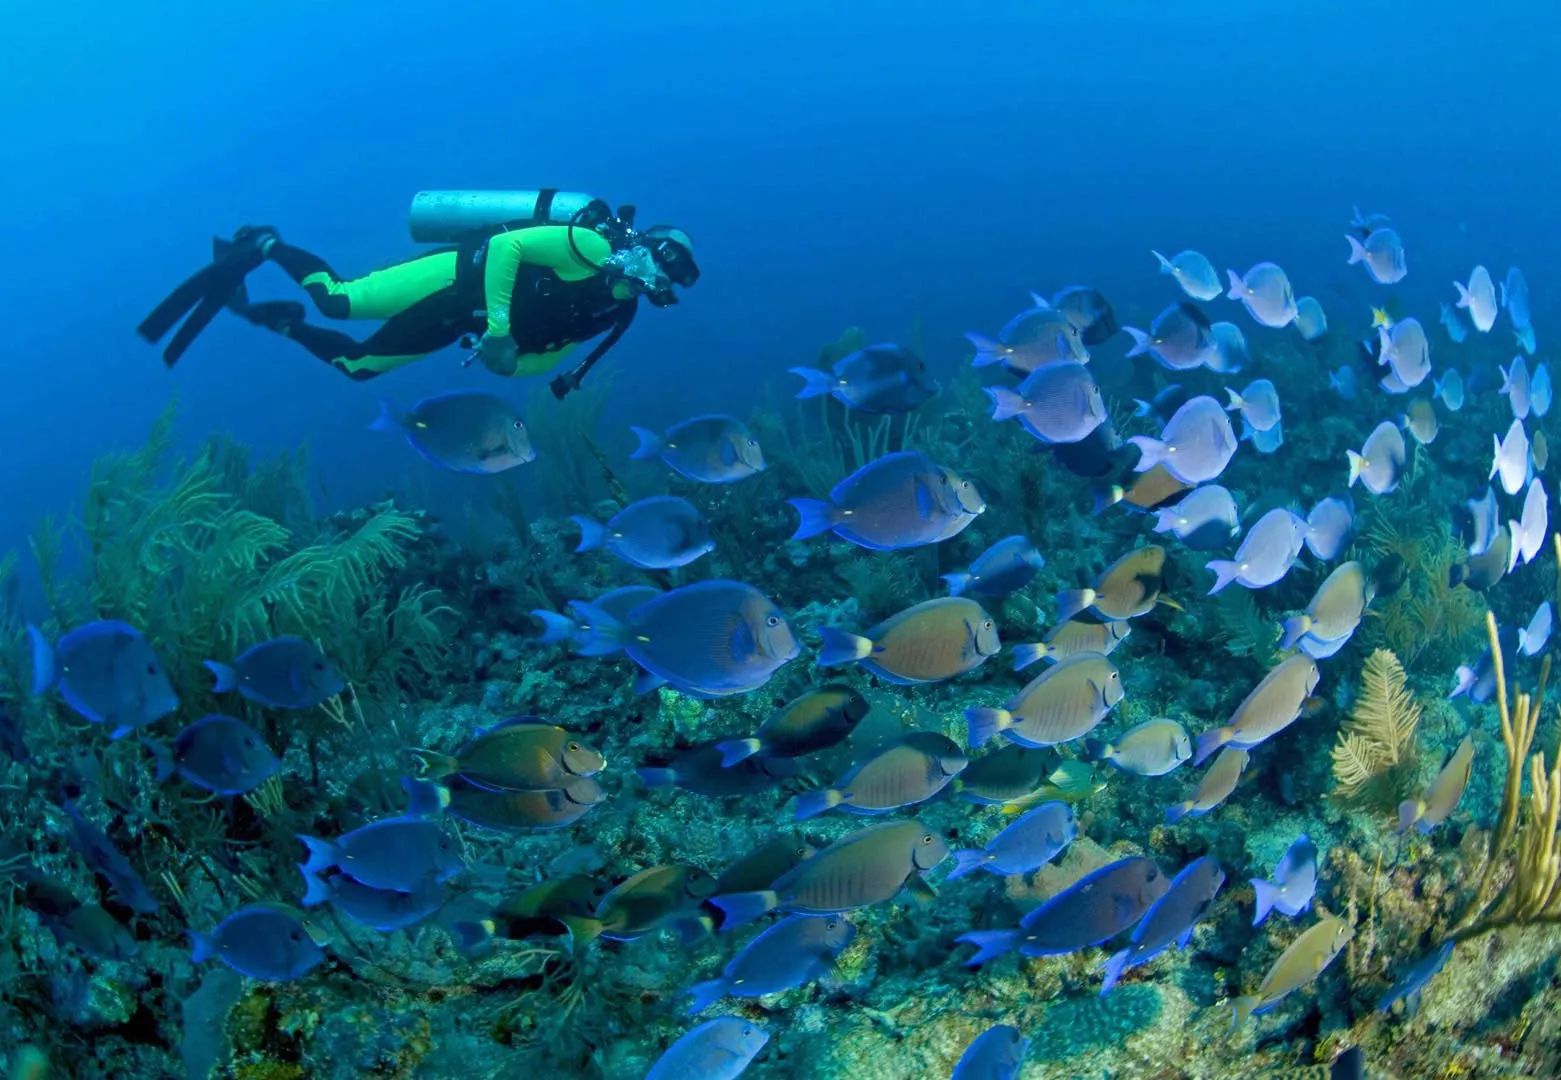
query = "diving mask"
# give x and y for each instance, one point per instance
(637, 265)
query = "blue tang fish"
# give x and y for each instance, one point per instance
(223, 755)
(710, 449)
(796, 950)
(995, 1054)
(1293, 885)
(463, 431)
(399, 853)
(263, 941)
(718, 1049)
(900, 500)
(1001, 570)
(284, 673)
(1170, 919)
(658, 533)
(107, 673)
(879, 380)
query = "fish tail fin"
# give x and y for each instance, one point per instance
(1151, 452)
(1210, 741)
(1466, 680)
(653, 776)
(1465, 298)
(424, 797)
(1094, 750)
(390, 418)
(989, 944)
(705, 994)
(815, 383)
(226, 678)
(1165, 264)
(603, 634)
(1266, 893)
(840, 647)
(817, 515)
(1141, 407)
(1115, 966)
(43, 660)
(1357, 463)
(1025, 655)
(813, 803)
(740, 908)
(1243, 1007)
(957, 583)
(1072, 601)
(555, 627)
(593, 534)
(1141, 343)
(968, 862)
(1357, 249)
(1006, 403)
(1238, 286)
(163, 756)
(322, 855)
(1175, 813)
(1104, 497)
(202, 947)
(582, 929)
(988, 350)
(471, 937)
(1410, 811)
(984, 723)
(1518, 537)
(1237, 402)
(316, 890)
(735, 750)
(433, 765)
(1225, 571)
(651, 444)
(1294, 629)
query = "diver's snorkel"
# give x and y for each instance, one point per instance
(638, 267)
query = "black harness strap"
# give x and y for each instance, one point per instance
(571, 379)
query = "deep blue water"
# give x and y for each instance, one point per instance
(833, 166)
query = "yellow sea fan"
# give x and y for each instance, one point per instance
(1375, 753)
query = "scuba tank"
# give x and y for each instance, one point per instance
(449, 217)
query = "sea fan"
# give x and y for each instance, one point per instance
(1375, 758)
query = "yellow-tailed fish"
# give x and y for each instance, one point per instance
(1271, 707)
(1444, 794)
(1305, 959)
(815, 721)
(910, 771)
(1071, 638)
(649, 900)
(929, 642)
(1008, 773)
(1335, 610)
(1072, 781)
(521, 809)
(1420, 421)
(1063, 703)
(1126, 589)
(1214, 787)
(518, 754)
(1153, 748)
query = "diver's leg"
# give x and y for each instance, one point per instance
(421, 329)
(378, 295)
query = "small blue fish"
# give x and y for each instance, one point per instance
(1293, 885)
(1171, 919)
(1180, 338)
(1408, 988)
(1229, 353)
(1096, 908)
(1515, 386)
(1381, 460)
(1345, 382)
(284, 673)
(1059, 402)
(105, 860)
(1164, 404)
(1266, 294)
(880, 379)
(1533, 638)
(1531, 531)
(384, 910)
(1310, 318)
(615, 602)
(1525, 339)
(1001, 570)
(1193, 272)
(463, 431)
(658, 533)
(1089, 312)
(1264, 442)
(1479, 298)
(1266, 555)
(223, 755)
(710, 639)
(1511, 459)
(1205, 520)
(796, 950)
(1450, 389)
(710, 449)
(1514, 297)
(718, 1049)
(995, 1054)
(1258, 404)
(1484, 515)
(107, 673)
(262, 941)
(399, 853)
(1365, 223)
(1383, 253)
(1330, 526)
(896, 501)
(1479, 681)
(1195, 446)
(1407, 352)
(1540, 390)
(1456, 328)
(1032, 841)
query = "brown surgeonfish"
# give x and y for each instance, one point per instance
(910, 771)
(815, 721)
(1482, 571)
(518, 754)
(1063, 703)
(660, 896)
(1010, 772)
(536, 912)
(1126, 589)
(1335, 610)
(1214, 787)
(537, 810)
(932, 641)
(1305, 959)
(1272, 706)
(1071, 638)
(866, 867)
(1444, 794)
(1150, 491)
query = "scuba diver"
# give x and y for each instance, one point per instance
(524, 277)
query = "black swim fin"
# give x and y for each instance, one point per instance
(195, 303)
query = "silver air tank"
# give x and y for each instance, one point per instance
(448, 217)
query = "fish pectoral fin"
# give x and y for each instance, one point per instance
(925, 504)
(920, 889)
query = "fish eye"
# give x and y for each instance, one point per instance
(929, 838)
(151, 669)
(800, 852)
(319, 665)
(1116, 674)
(296, 935)
(572, 747)
(773, 620)
(249, 741)
(518, 425)
(987, 625)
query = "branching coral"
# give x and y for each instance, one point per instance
(1374, 760)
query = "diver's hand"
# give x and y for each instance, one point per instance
(498, 353)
